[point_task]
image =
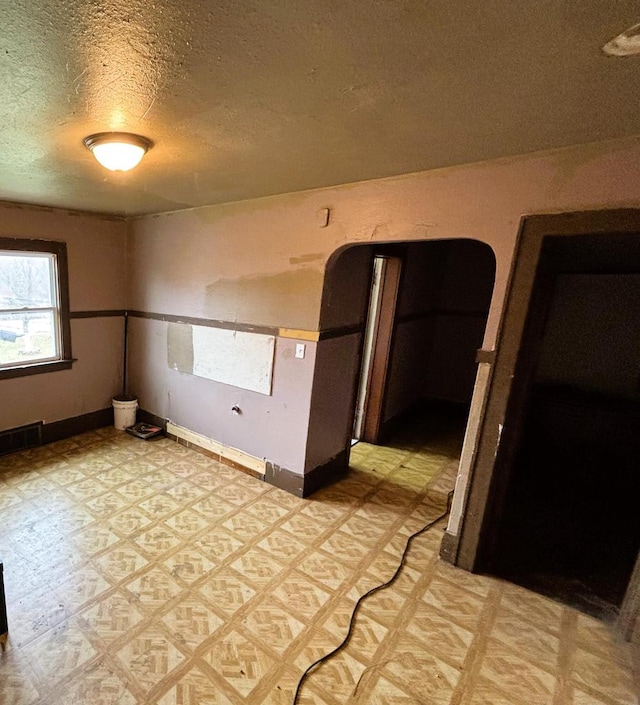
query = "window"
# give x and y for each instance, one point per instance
(34, 307)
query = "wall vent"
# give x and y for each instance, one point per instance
(20, 438)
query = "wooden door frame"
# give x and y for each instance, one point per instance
(382, 345)
(507, 391)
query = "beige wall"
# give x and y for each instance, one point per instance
(97, 282)
(262, 261)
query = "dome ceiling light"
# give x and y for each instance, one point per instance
(625, 44)
(118, 151)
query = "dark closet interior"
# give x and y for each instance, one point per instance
(571, 524)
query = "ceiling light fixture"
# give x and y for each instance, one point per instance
(625, 44)
(118, 151)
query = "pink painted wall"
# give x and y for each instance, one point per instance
(262, 261)
(97, 281)
(273, 427)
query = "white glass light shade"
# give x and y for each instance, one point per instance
(118, 151)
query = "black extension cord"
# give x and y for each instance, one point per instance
(370, 592)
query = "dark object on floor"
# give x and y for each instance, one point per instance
(4, 627)
(144, 430)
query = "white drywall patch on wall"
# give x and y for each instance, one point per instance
(237, 358)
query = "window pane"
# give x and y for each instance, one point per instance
(26, 281)
(27, 337)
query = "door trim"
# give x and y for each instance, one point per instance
(489, 474)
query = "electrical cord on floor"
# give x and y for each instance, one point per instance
(362, 598)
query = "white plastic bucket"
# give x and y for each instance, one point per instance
(124, 412)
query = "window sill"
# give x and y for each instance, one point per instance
(36, 368)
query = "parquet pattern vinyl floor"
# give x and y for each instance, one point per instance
(146, 573)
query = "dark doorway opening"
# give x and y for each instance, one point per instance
(435, 311)
(570, 526)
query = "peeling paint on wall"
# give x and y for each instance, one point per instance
(289, 299)
(315, 257)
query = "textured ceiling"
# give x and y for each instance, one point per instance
(247, 99)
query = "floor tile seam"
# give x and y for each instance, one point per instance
(137, 688)
(42, 697)
(113, 646)
(326, 696)
(220, 612)
(235, 555)
(269, 683)
(270, 597)
(149, 621)
(384, 541)
(417, 603)
(45, 686)
(120, 581)
(34, 588)
(568, 625)
(112, 650)
(52, 697)
(541, 624)
(229, 691)
(397, 626)
(319, 538)
(30, 640)
(445, 582)
(478, 648)
(607, 698)
(148, 610)
(54, 582)
(271, 651)
(34, 538)
(106, 594)
(266, 531)
(226, 628)
(25, 556)
(162, 555)
(366, 684)
(620, 659)
(595, 689)
(504, 641)
(317, 679)
(126, 541)
(130, 535)
(329, 608)
(335, 595)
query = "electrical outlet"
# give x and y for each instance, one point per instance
(300, 348)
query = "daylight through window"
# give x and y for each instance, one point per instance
(31, 306)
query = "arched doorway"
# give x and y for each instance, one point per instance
(435, 325)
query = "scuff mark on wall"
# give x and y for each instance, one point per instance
(421, 230)
(380, 232)
(314, 257)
